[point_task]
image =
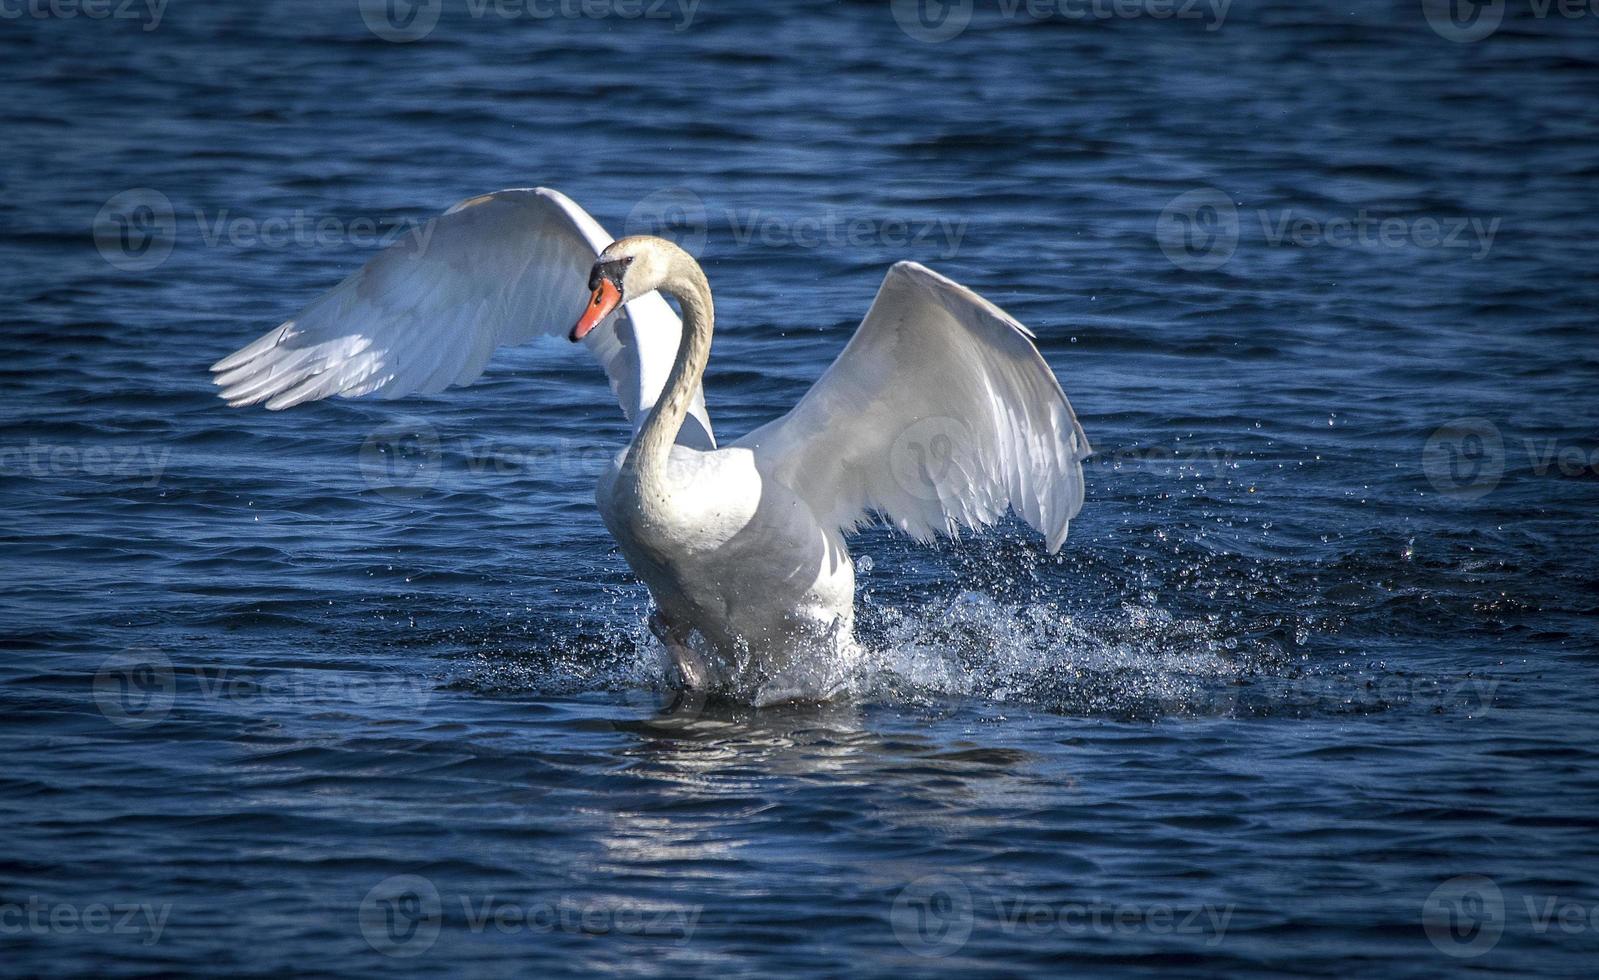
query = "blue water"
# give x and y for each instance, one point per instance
(365, 687)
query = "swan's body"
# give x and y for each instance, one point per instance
(939, 414)
(739, 559)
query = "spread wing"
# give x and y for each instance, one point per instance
(940, 413)
(429, 312)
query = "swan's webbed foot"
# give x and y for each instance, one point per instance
(666, 630)
(691, 672)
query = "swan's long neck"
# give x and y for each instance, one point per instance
(647, 456)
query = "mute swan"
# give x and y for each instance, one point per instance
(939, 414)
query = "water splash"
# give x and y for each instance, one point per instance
(1135, 661)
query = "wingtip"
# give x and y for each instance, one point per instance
(953, 291)
(255, 348)
(907, 265)
(233, 360)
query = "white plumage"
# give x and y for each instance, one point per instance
(429, 312)
(939, 415)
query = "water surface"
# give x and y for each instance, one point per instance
(365, 686)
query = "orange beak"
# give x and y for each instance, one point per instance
(605, 299)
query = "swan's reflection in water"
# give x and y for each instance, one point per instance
(831, 787)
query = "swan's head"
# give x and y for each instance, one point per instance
(626, 270)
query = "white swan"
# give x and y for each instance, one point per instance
(939, 414)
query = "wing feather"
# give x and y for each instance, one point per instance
(430, 311)
(939, 414)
